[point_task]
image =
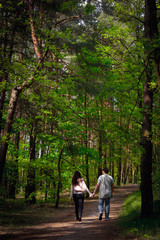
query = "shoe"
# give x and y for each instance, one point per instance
(100, 217)
(79, 219)
(107, 219)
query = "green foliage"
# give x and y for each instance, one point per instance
(156, 181)
(85, 96)
(72, 4)
(132, 225)
(89, 9)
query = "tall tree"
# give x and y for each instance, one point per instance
(151, 30)
(146, 160)
(151, 33)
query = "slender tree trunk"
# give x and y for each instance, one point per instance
(34, 38)
(119, 171)
(31, 186)
(100, 153)
(133, 173)
(100, 142)
(127, 175)
(3, 55)
(59, 177)
(86, 144)
(120, 158)
(113, 169)
(14, 178)
(111, 164)
(2, 99)
(105, 162)
(125, 171)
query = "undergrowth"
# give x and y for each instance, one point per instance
(131, 224)
(15, 214)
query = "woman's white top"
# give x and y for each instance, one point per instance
(80, 188)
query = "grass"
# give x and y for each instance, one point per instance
(131, 224)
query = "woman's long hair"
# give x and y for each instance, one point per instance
(76, 175)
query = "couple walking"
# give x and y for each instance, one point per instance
(78, 187)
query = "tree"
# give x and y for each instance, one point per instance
(23, 15)
(151, 34)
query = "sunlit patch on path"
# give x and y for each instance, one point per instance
(64, 227)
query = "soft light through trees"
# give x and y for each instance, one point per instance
(73, 72)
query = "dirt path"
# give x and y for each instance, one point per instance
(64, 227)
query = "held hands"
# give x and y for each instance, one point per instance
(92, 195)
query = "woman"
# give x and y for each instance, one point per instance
(78, 187)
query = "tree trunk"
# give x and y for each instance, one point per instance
(119, 161)
(151, 32)
(10, 114)
(125, 173)
(111, 164)
(2, 99)
(14, 178)
(119, 172)
(133, 173)
(105, 161)
(100, 154)
(59, 177)
(100, 132)
(30, 186)
(34, 38)
(86, 144)
(146, 160)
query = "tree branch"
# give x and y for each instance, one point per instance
(67, 19)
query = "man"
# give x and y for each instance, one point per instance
(105, 184)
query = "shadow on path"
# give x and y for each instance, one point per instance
(64, 226)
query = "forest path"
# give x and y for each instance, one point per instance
(64, 227)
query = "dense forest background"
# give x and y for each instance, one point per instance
(79, 85)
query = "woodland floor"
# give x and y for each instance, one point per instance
(62, 225)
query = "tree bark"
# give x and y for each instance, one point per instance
(10, 114)
(2, 99)
(31, 186)
(146, 160)
(119, 171)
(100, 142)
(151, 32)
(59, 177)
(34, 38)
(120, 160)
(86, 144)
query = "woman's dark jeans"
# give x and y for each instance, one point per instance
(78, 200)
